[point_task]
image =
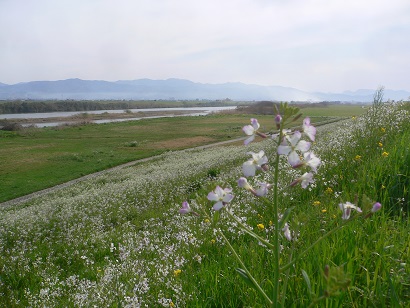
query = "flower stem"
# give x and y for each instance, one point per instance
(276, 271)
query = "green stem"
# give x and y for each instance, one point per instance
(285, 284)
(255, 283)
(276, 223)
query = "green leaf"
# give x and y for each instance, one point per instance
(307, 280)
(245, 277)
(285, 217)
(216, 217)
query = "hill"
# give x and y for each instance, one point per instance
(148, 89)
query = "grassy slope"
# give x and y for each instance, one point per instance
(118, 235)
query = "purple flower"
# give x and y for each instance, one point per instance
(304, 180)
(308, 129)
(185, 208)
(286, 232)
(295, 144)
(252, 131)
(347, 209)
(263, 189)
(257, 162)
(221, 196)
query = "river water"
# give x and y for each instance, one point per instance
(196, 111)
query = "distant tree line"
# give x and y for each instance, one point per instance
(27, 106)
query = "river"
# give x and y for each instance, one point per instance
(196, 111)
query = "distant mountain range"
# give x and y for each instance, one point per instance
(178, 89)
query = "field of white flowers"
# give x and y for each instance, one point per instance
(117, 240)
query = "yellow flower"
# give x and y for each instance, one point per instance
(383, 130)
(171, 304)
(270, 222)
(177, 272)
(358, 157)
(261, 226)
(329, 190)
(213, 241)
(385, 154)
(353, 118)
(316, 203)
(324, 211)
(380, 144)
(207, 221)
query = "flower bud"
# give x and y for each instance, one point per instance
(278, 120)
(243, 183)
(376, 207)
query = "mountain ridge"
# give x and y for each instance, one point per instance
(179, 89)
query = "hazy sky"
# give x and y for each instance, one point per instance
(313, 45)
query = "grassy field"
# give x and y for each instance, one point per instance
(117, 240)
(335, 110)
(34, 159)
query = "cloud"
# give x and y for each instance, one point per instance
(309, 44)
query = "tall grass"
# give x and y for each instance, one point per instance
(117, 240)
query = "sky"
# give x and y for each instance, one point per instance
(311, 45)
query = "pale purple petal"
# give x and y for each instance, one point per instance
(286, 232)
(306, 121)
(310, 132)
(294, 159)
(308, 129)
(227, 198)
(249, 168)
(217, 206)
(212, 196)
(249, 140)
(248, 130)
(294, 139)
(255, 124)
(346, 213)
(312, 160)
(303, 146)
(306, 179)
(284, 149)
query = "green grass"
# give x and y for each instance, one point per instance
(335, 110)
(35, 159)
(117, 239)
